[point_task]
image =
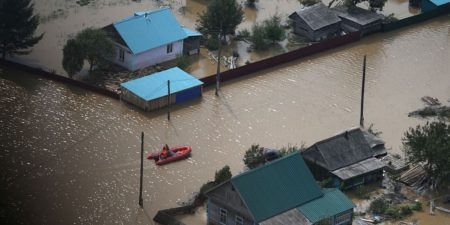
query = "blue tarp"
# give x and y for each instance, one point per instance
(155, 85)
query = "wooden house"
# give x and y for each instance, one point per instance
(280, 192)
(346, 157)
(151, 92)
(359, 19)
(376, 144)
(316, 22)
(148, 38)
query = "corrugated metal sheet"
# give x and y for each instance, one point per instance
(148, 30)
(155, 85)
(332, 203)
(276, 187)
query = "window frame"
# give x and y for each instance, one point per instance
(223, 212)
(169, 48)
(121, 55)
(240, 219)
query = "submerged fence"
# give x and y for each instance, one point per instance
(283, 58)
(60, 78)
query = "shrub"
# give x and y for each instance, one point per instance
(253, 157)
(258, 37)
(362, 192)
(379, 206)
(417, 206)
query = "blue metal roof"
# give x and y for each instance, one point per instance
(333, 202)
(276, 187)
(155, 85)
(148, 30)
(440, 2)
(191, 33)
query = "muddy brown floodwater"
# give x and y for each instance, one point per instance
(72, 157)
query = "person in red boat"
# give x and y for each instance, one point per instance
(166, 152)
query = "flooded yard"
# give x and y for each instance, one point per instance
(61, 20)
(72, 157)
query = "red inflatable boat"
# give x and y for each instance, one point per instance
(180, 152)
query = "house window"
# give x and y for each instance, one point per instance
(343, 218)
(239, 220)
(223, 216)
(169, 48)
(121, 55)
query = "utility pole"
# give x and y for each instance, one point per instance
(141, 201)
(218, 61)
(361, 119)
(168, 100)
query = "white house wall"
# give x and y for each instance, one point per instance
(128, 57)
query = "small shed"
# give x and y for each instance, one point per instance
(191, 45)
(359, 19)
(151, 92)
(316, 22)
(346, 157)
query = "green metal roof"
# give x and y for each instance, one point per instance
(332, 203)
(276, 187)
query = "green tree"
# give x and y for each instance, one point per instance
(273, 30)
(268, 32)
(72, 57)
(222, 175)
(17, 27)
(430, 144)
(258, 37)
(96, 46)
(253, 157)
(220, 18)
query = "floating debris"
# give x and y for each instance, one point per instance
(431, 101)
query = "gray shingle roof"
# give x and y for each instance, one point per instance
(341, 150)
(317, 16)
(357, 15)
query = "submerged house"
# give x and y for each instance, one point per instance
(359, 19)
(151, 37)
(280, 192)
(316, 22)
(152, 91)
(346, 157)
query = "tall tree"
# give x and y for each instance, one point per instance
(220, 18)
(17, 27)
(95, 44)
(72, 57)
(430, 145)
